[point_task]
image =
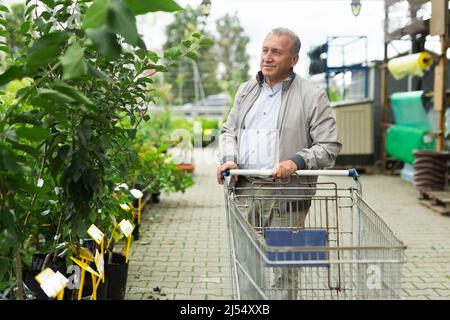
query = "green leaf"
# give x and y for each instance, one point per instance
(46, 15)
(206, 42)
(4, 49)
(15, 72)
(153, 56)
(46, 49)
(3, 8)
(144, 80)
(144, 6)
(11, 135)
(28, 149)
(132, 133)
(196, 35)
(4, 23)
(54, 95)
(192, 56)
(172, 53)
(96, 15)
(105, 42)
(98, 74)
(24, 117)
(73, 63)
(33, 133)
(3, 33)
(25, 26)
(72, 93)
(121, 20)
(187, 43)
(30, 8)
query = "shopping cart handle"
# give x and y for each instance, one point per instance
(244, 172)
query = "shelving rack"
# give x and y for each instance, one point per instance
(417, 29)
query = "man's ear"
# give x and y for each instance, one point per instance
(294, 60)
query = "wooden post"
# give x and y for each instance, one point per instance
(384, 102)
(440, 99)
(439, 26)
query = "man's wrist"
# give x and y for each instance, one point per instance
(299, 161)
(228, 158)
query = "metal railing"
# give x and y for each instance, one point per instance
(214, 111)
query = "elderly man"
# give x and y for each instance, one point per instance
(282, 122)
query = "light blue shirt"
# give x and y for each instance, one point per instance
(258, 149)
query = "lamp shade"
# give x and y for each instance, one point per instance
(356, 7)
(206, 7)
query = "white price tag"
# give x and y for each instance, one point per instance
(95, 234)
(52, 283)
(126, 227)
(136, 193)
(125, 207)
(99, 263)
(121, 186)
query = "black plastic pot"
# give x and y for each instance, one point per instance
(155, 197)
(136, 229)
(116, 276)
(87, 288)
(37, 262)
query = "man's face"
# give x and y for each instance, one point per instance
(276, 57)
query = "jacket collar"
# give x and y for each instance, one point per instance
(286, 82)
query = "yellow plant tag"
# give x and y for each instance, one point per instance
(83, 252)
(85, 266)
(95, 233)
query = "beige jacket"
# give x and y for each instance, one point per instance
(306, 127)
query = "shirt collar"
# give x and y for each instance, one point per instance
(286, 83)
(274, 90)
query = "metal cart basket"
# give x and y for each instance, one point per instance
(328, 242)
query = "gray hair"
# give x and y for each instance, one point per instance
(296, 44)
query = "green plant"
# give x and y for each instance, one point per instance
(66, 130)
(158, 172)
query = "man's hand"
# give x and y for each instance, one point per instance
(284, 169)
(223, 167)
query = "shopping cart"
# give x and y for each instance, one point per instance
(330, 244)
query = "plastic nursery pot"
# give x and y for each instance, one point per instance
(37, 262)
(87, 289)
(116, 276)
(186, 167)
(155, 197)
(136, 229)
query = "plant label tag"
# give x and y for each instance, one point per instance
(85, 266)
(83, 252)
(125, 207)
(114, 221)
(52, 283)
(121, 186)
(44, 275)
(95, 233)
(99, 262)
(126, 227)
(136, 193)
